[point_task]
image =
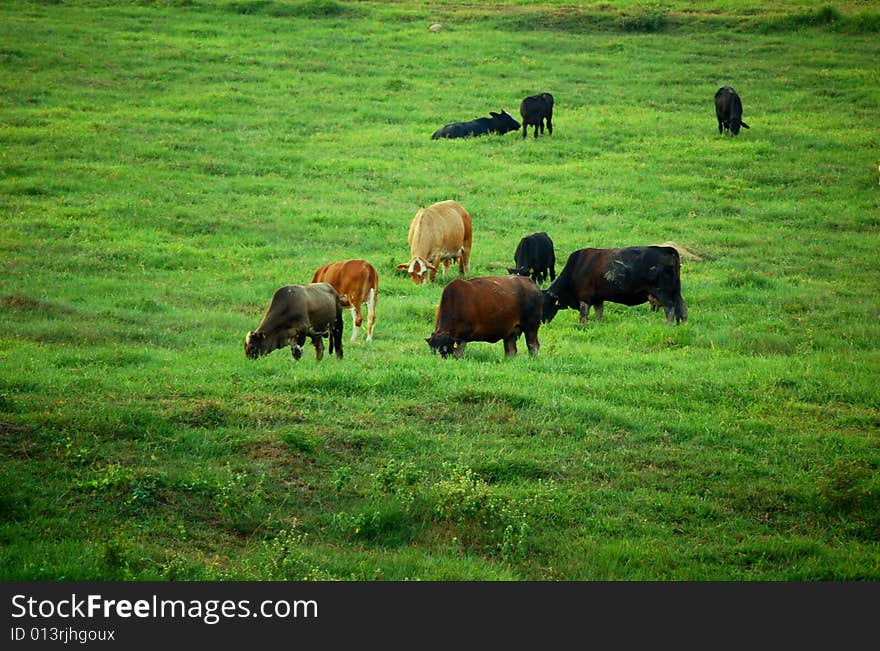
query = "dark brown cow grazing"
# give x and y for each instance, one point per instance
(297, 312)
(356, 282)
(630, 276)
(487, 309)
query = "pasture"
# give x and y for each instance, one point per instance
(165, 166)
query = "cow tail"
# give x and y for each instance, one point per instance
(336, 334)
(680, 308)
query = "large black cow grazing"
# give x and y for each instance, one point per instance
(534, 257)
(499, 123)
(488, 309)
(534, 110)
(729, 110)
(631, 276)
(297, 312)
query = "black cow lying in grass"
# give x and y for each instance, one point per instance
(499, 123)
(630, 276)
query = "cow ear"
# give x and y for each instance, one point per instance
(429, 265)
(402, 266)
(494, 114)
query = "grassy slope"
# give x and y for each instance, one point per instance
(165, 169)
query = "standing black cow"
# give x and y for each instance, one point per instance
(534, 257)
(729, 110)
(534, 110)
(499, 123)
(630, 276)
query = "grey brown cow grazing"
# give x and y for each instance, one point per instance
(442, 233)
(490, 309)
(534, 111)
(729, 110)
(357, 283)
(498, 123)
(534, 257)
(295, 313)
(630, 276)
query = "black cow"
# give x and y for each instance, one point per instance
(534, 257)
(534, 110)
(499, 123)
(729, 110)
(630, 276)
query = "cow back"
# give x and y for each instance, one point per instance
(442, 227)
(351, 278)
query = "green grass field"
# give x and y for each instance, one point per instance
(165, 166)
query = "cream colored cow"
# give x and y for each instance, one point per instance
(439, 234)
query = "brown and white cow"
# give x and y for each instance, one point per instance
(630, 276)
(356, 282)
(297, 312)
(440, 233)
(487, 309)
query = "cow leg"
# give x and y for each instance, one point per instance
(297, 347)
(510, 345)
(677, 312)
(356, 320)
(584, 311)
(599, 309)
(318, 343)
(549, 125)
(532, 341)
(371, 314)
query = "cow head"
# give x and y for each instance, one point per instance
(443, 343)
(255, 344)
(417, 268)
(503, 122)
(735, 124)
(552, 305)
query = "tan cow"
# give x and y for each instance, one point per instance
(357, 282)
(440, 233)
